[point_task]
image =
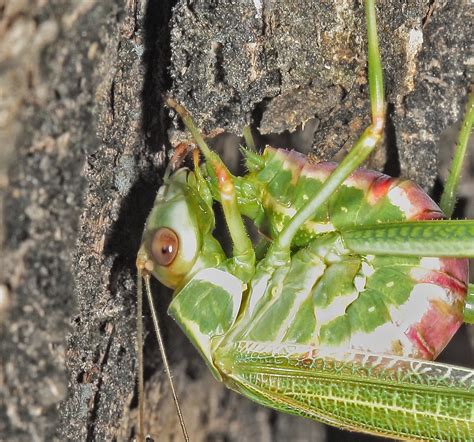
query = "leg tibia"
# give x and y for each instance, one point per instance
(242, 264)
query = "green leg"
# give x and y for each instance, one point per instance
(242, 264)
(364, 146)
(469, 306)
(448, 199)
(426, 238)
(443, 238)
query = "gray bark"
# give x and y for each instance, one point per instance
(84, 133)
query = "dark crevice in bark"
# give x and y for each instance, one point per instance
(392, 164)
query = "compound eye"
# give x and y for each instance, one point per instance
(164, 246)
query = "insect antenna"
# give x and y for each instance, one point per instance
(139, 351)
(146, 277)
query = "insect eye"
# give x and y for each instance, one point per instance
(164, 246)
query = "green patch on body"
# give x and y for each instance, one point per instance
(209, 303)
(389, 284)
(337, 281)
(281, 188)
(302, 307)
(288, 298)
(326, 294)
(277, 221)
(207, 307)
(345, 205)
(394, 286)
(368, 312)
(331, 297)
(381, 212)
(273, 165)
(302, 328)
(305, 189)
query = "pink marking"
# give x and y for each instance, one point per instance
(291, 159)
(444, 316)
(380, 187)
(292, 156)
(457, 268)
(418, 343)
(320, 171)
(297, 158)
(438, 325)
(419, 200)
(376, 185)
(445, 280)
(428, 215)
(362, 179)
(436, 328)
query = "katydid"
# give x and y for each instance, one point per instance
(362, 284)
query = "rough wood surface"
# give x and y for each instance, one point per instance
(83, 133)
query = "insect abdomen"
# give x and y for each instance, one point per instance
(366, 197)
(400, 305)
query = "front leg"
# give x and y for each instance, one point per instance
(242, 264)
(363, 147)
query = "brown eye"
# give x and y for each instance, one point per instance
(164, 246)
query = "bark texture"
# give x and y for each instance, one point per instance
(84, 143)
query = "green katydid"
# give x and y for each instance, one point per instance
(361, 286)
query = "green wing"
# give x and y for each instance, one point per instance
(385, 395)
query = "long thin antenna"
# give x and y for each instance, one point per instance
(141, 396)
(156, 325)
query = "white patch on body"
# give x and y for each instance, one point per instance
(381, 340)
(431, 263)
(258, 290)
(337, 308)
(311, 276)
(367, 269)
(315, 227)
(288, 211)
(399, 198)
(416, 305)
(426, 267)
(227, 281)
(359, 282)
(386, 336)
(318, 174)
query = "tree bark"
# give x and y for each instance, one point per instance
(85, 120)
